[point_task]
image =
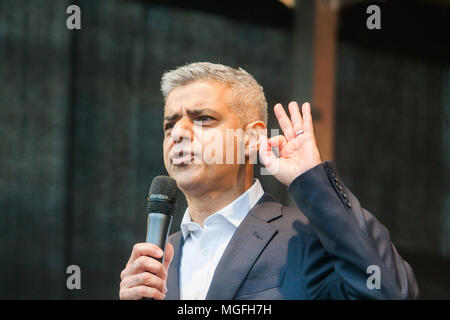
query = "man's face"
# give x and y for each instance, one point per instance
(192, 114)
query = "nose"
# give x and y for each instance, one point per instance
(181, 130)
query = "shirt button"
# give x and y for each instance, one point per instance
(203, 251)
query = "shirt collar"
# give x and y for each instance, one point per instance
(234, 212)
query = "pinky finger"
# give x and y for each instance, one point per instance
(139, 292)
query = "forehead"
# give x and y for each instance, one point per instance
(196, 94)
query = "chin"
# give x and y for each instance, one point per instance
(187, 177)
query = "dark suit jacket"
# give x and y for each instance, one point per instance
(320, 250)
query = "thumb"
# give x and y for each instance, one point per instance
(268, 158)
(168, 255)
(277, 141)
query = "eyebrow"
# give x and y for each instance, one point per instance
(191, 113)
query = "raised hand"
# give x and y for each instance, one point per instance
(298, 150)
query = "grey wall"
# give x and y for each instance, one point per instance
(34, 101)
(392, 129)
(391, 137)
(81, 134)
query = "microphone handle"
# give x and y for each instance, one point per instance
(158, 225)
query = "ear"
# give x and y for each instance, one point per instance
(253, 131)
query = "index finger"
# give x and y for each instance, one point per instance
(145, 249)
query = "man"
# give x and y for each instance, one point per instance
(237, 242)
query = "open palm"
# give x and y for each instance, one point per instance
(297, 146)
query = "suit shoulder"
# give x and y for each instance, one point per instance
(294, 216)
(285, 217)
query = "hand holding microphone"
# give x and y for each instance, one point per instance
(145, 274)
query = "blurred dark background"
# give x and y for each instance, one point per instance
(81, 121)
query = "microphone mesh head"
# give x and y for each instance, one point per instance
(162, 195)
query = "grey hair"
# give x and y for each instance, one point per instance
(246, 96)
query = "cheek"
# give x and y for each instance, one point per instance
(213, 145)
(166, 149)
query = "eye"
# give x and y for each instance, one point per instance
(168, 126)
(204, 118)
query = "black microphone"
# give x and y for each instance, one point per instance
(160, 207)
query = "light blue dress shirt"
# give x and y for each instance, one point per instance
(203, 247)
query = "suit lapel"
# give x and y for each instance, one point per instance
(173, 276)
(249, 240)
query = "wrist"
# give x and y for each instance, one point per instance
(305, 169)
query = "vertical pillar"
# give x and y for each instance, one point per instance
(314, 61)
(323, 75)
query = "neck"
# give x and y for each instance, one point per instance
(203, 205)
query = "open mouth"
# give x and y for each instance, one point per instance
(182, 158)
